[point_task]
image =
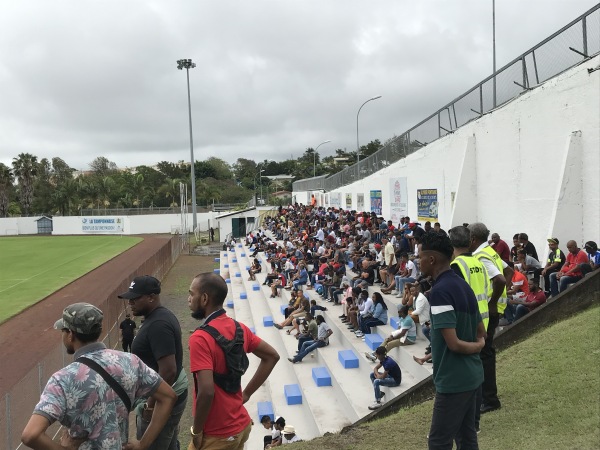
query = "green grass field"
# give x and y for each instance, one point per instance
(33, 267)
(549, 386)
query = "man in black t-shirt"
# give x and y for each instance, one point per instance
(127, 333)
(528, 246)
(158, 345)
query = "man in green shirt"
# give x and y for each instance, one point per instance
(457, 337)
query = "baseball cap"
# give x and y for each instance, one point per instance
(377, 246)
(552, 240)
(144, 285)
(80, 317)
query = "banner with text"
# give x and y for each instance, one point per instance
(427, 205)
(376, 202)
(399, 200)
(105, 224)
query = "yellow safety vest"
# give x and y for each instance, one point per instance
(476, 276)
(490, 254)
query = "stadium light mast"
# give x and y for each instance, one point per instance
(187, 64)
(357, 144)
(315, 158)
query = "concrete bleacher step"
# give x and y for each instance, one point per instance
(297, 414)
(351, 390)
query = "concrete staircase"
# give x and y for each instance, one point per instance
(330, 388)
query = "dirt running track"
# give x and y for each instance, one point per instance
(33, 328)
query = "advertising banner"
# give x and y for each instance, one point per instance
(376, 202)
(104, 224)
(427, 205)
(399, 200)
(360, 202)
(348, 201)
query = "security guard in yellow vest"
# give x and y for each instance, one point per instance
(475, 275)
(498, 272)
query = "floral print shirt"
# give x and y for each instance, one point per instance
(82, 401)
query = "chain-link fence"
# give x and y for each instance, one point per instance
(566, 48)
(17, 404)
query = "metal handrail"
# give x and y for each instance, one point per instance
(408, 142)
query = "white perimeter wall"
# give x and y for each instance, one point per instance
(531, 166)
(142, 224)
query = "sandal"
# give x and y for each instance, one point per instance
(279, 327)
(288, 331)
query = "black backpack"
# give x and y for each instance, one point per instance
(235, 358)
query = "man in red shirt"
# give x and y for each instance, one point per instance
(535, 298)
(570, 272)
(500, 247)
(220, 419)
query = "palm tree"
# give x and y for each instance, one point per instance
(25, 169)
(6, 186)
(170, 189)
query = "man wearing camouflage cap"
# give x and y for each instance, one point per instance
(94, 414)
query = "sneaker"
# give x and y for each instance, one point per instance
(399, 295)
(370, 356)
(394, 292)
(503, 322)
(343, 316)
(428, 350)
(359, 334)
(375, 405)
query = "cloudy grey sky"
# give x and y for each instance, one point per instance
(82, 78)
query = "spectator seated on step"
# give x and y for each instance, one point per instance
(254, 269)
(408, 275)
(366, 277)
(390, 376)
(323, 333)
(527, 246)
(520, 307)
(571, 271)
(591, 248)
(363, 305)
(306, 329)
(300, 278)
(378, 317)
(298, 313)
(500, 247)
(517, 293)
(277, 284)
(274, 428)
(556, 259)
(528, 265)
(420, 312)
(405, 335)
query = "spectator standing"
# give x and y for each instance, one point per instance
(500, 247)
(127, 328)
(498, 272)
(457, 337)
(391, 375)
(158, 345)
(556, 259)
(74, 395)
(220, 419)
(571, 271)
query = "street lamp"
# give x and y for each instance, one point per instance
(315, 158)
(255, 175)
(187, 64)
(357, 145)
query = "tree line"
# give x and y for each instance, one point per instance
(32, 186)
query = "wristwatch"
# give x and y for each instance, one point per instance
(192, 431)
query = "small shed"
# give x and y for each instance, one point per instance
(44, 225)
